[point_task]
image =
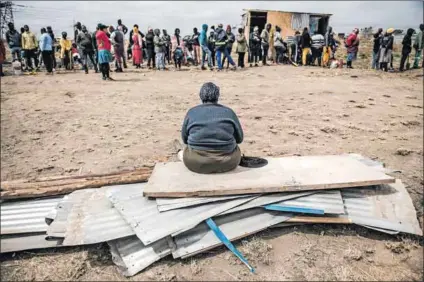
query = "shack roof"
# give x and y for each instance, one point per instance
(312, 14)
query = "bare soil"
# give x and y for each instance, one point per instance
(72, 123)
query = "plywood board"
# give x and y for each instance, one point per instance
(280, 175)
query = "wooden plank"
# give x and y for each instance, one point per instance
(61, 185)
(280, 175)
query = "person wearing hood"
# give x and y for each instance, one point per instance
(352, 45)
(159, 50)
(30, 46)
(196, 45)
(177, 45)
(203, 41)
(118, 43)
(406, 47)
(230, 41)
(150, 48)
(221, 47)
(137, 45)
(65, 51)
(386, 49)
(167, 39)
(418, 46)
(121, 27)
(265, 43)
(85, 43)
(104, 46)
(376, 47)
(328, 45)
(255, 46)
(211, 133)
(241, 47)
(305, 44)
(211, 46)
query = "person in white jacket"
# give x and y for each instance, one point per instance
(278, 45)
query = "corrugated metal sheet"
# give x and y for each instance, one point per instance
(151, 225)
(329, 201)
(385, 207)
(167, 204)
(268, 199)
(131, 256)
(94, 220)
(31, 241)
(299, 21)
(234, 226)
(26, 216)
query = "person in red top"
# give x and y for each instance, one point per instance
(352, 43)
(104, 55)
(75, 55)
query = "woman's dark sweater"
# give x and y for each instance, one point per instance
(212, 127)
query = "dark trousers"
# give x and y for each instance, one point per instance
(240, 62)
(105, 69)
(89, 54)
(316, 54)
(167, 53)
(47, 59)
(54, 59)
(31, 54)
(402, 61)
(265, 53)
(254, 55)
(177, 62)
(225, 57)
(279, 54)
(213, 54)
(151, 57)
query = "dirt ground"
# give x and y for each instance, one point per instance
(72, 123)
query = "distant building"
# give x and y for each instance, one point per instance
(290, 22)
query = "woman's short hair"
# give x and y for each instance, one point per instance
(209, 93)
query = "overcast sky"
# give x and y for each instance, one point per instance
(186, 15)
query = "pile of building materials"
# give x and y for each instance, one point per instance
(182, 214)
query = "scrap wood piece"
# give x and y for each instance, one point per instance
(286, 174)
(61, 185)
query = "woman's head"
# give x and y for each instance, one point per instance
(209, 93)
(177, 31)
(277, 28)
(240, 30)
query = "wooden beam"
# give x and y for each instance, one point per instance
(49, 186)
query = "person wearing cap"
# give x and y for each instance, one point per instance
(104, 55)
(30, 47)
(386, 49)
(221, 47)
(65, 50)
(211, 133)
(255, 46)
(352, 43)
(265, 43)
(241, 47)
(418, 46)
(230, 41)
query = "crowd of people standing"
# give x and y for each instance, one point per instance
(213, 49)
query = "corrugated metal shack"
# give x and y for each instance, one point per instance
(290, 22)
